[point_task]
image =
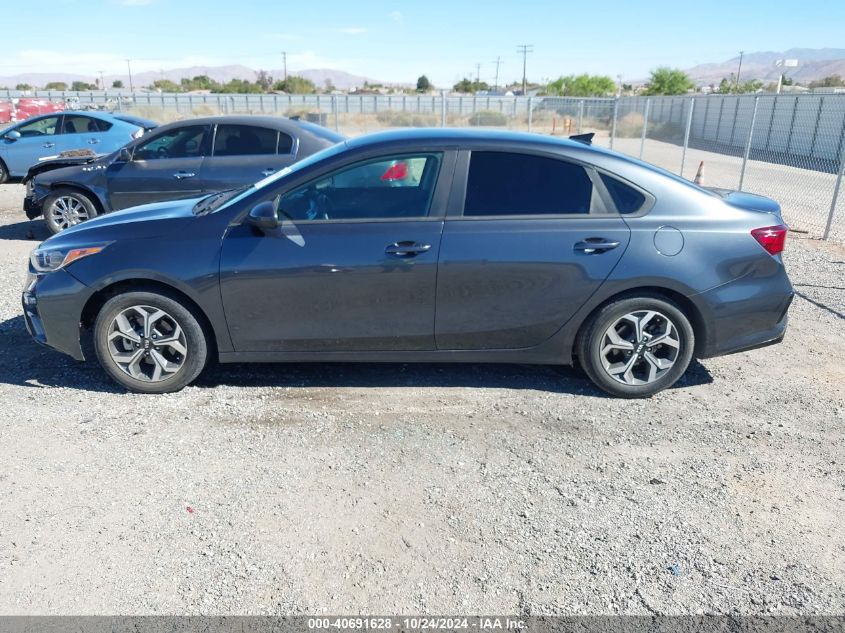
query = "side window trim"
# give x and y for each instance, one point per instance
(457, 200)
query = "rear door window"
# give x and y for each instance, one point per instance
(76, 124)
(245, 140)
(511, 183)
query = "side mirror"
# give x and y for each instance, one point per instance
(263, 216)
(124, 155)
(12, 136)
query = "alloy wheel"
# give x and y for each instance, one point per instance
(67, 211)
(147, 343)
(640, 347)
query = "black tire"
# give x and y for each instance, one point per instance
(4, 172)
(55, 221)
(591, 341)
(193, 360)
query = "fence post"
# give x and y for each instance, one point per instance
(613, 123)
(645, 126)
(747, 152)
(530, 99)
(442, 108)
(836, 188)
(580, 115)
(686, 135)
(336, 117)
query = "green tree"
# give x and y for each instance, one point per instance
(117, 83)
(165, 85)
(470, 86)
(668, 81)
(831, 81)
(582, 86)
(423, 84)
(264, 80)
(296, 85)
(200, 82)
(23, 87)
(240, 86)
(82, 86)
(328, 86)
(56, 85)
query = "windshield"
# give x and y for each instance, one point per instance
(272, 178)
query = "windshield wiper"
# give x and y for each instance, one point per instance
(217, 199)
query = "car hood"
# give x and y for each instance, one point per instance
(143, 222)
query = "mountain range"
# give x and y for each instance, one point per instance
(340, 79)
(813, 63)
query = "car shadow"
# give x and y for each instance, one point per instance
(26, 230)
(25, 363)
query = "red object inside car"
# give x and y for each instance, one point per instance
(397, 171)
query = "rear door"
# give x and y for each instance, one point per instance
(80, 132)
(164, 167)
(528, 239)
(244, 154)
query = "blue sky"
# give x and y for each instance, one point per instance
(398, 41)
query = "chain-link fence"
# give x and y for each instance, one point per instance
(788, 147)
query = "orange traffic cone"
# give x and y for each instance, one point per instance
(699, 173)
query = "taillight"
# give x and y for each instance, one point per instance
(772, 238)
(397, 171)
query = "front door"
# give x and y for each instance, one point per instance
(353, 267)
(534, 242)
(164, 167)
(38, 139)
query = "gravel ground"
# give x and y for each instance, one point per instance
(426, 489)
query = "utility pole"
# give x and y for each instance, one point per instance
(498, 62)
(619, 77)
(102, 81)
(129, 68)
(739, 69)
(477, 74)
(285, 61)
(524, 49)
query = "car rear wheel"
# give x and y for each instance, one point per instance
(65, 208)
(637, 346)
(149, 342)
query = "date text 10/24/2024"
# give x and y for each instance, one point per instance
(491, 623)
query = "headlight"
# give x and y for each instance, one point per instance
(44, 260)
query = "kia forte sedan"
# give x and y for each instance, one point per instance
(424, 245)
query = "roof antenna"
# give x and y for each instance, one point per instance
(587, 138)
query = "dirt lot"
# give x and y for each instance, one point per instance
(430, 488)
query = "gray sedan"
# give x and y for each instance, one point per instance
(427, 245)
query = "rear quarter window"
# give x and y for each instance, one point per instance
(626, 198)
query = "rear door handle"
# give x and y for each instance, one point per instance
(406, 249)
(268, 171)
(595, 245)
(49, 145)
(93, 141)
(181, 175)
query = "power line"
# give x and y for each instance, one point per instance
(524, 49)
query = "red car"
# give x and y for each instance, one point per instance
(6, 111)
(26, 107)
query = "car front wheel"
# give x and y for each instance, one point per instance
(149, 342)
(636, 346)
(65, 208)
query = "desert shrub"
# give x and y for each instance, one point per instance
(406, 119)
(487, 117)
(630, 125)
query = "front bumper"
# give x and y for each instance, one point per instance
(33, 202)
(52, 309)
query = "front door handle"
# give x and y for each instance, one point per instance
(595, 245)
(48, 145)
(93, 141)
(268, 171)
(181, 175)
(406, 249)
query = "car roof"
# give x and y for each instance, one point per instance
(464, 136)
